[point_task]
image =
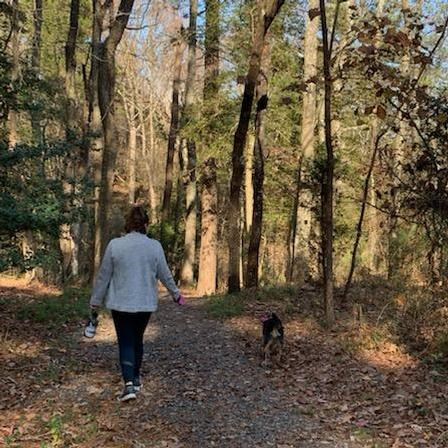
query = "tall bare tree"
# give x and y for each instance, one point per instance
(14, 49)
(35, 64)
(130, 107)
(70, 235)
(106, 99)
(266, 13)
(299, 252)
(70, 69)
(148, 154)
(258, 182)
(208, 255)
(328, 174)
(94, 127)
(187, 271)
(371, 213)
(174, 128)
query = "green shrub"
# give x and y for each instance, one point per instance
(53, 311)
(223, 307)
(230, 305)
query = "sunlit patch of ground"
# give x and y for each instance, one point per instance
(21, 286)
(356, 378)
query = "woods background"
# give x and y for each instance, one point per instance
(274, 142)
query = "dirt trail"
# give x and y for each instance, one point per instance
(203, 387)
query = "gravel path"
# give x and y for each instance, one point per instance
(202, 385)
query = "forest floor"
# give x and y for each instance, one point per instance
(203, 383)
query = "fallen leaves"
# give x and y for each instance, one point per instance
(204, 387)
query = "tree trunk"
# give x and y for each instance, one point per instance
(35, 65)
(132, 148)
(403, 139)
(374, 143)
(266, 13)
(328, 175)
(258, 182)
(208, 254)
(211, 57)
(106, 99)
(172, 136)
(373, 215)
(248, 182)
(29, 238)
(300, 252)
(129, 103)
(70, 71)
(75, 164)
(187, 272)
(178, 211)
(15, 71)
(209, 236)
(148, 157)
(154, 202)
(95, 129)
(374, 240)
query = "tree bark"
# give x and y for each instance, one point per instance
(208, 254)
(70, 70)
(258, 183)
(266, 12)
(300, 253)
(372, 214)
(211, 56)
(248, 182)
(95, 129)
(131, 118)
(187, 271)
(153, 197)
(172, 136)
(77, 161)
(148, 157)
(106, 99)
(328, 175)
(374, 143)
(209, 235)
(15, 72)
(132, 145)
(35, 65)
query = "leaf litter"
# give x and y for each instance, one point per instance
(204, 386)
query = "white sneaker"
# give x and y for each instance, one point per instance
(128, 393)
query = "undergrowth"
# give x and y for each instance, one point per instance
(54, 311)
(407, 315)
(230, 305)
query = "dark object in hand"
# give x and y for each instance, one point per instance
(92, 324)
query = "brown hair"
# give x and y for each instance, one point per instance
(136, 220)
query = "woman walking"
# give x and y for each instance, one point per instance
(127, 283)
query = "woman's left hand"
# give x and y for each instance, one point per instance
(180, 300)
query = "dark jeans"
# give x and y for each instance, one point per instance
(130, 328)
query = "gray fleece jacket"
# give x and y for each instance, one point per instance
(129, 274)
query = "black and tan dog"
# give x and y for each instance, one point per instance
(272, 340)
